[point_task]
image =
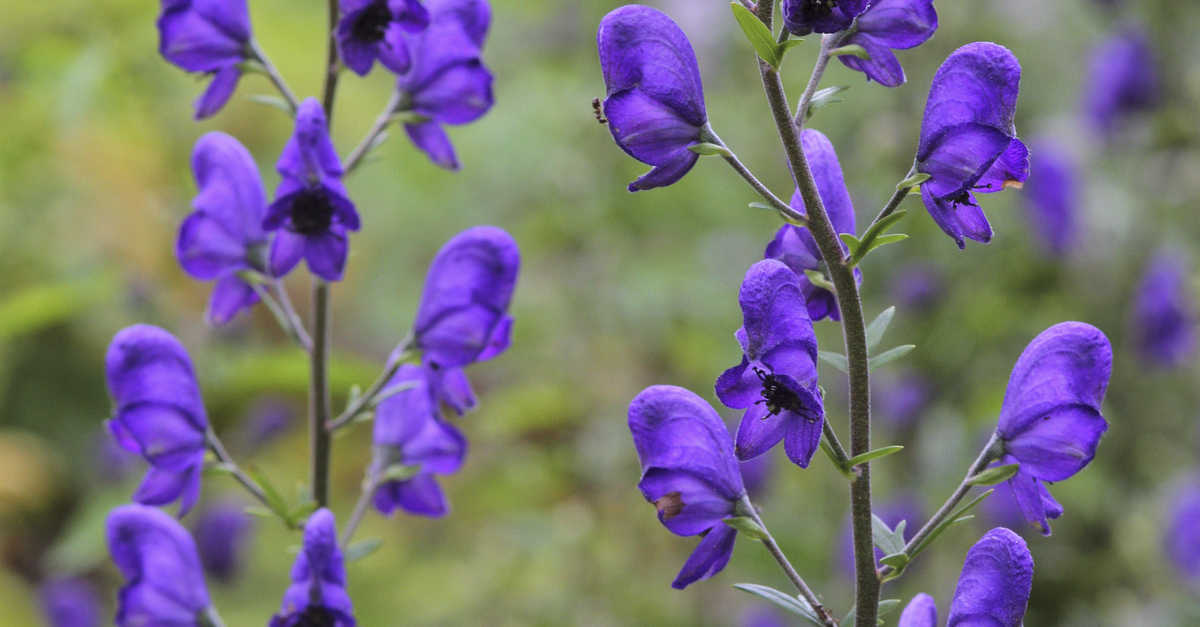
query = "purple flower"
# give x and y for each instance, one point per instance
(1050, 421)
(795, 246)
(159, 413)
(112, 462)
(376, 29)
(70, 603)
(689, 473)
(463, 316)
(918, 286)
(209, 36)
(409, 432)
(224, 235)
(447, 83)
(222, 532)
(317, 595)
(311, 212)
(802, 17)
(776, 381)
(993, 588)
(1181, 542)
(1122, 78)
(762, 617)
(889, 25)
(1164, 314)
(968, 139)
(156, 556)
(1052, 196)
(903, 399)
(654, 100)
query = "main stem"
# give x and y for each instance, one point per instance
(773, 548)
(318, 394)
(853, 330)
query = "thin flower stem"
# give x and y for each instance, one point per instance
(284, 316)
(399, 357)
(773, 548)
(892, 204)
(211, 618)
(828, 43)
(285, 303)
(223, 456)
(785, 210)
(839, 451)
(360, 508)
(381, 123)
(318, 394)
(275, 77)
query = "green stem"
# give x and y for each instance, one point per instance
(399, 357)
(318, 394)
(892, 204)
(381, 123)
(828, 42)
(773, 548)
(360, 508)
(785, 210)
(226, 460)
(333, 65)
(274, 76)
(835, 445)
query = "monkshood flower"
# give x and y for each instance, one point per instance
(224, 235)
(654, 100)
(209, 36)
(111, 462)
(317, 595)
(1181, 542)
(222, 532)
(1052, 196)
(463, 315)
(1050, 420)
(689, 473)
(70, 603)
(993, 588)
(776, 381)
(409, 432)
(889, 25)
(376, 29)
(164, 584)
(311, 212)
(448, 82)
(802, 17)
(968, 140)
(1164, 314)
(159, 413)
(1122, 78)
(795, 246)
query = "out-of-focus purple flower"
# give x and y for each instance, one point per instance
(159, 413)
(208, 36)
(224, 234)
(904, 507)
(1122, 78)
(1052, 195)
(795, 246)
(376, 29)
(776, 381)
(654, 99)
(411, 435)
(921, 611)
(689, 473)
(463, 315)
(311, 212)
(222, 532)
(889, 25)
(267, 420)
(902, 399)
(756, 474)
(762, 617)
(918, 286)
(1050, 421)
(447, 83)
(1164, 314)
(164, 584)
(968, 139)
(317, 595)
(70, 603)
(802, 17)
(1181, 542)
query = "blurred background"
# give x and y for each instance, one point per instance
(618, 291)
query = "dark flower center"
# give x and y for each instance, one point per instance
(372, 22)
(778, 396)
(669, 505)
(814, 9)
(316, 616)
(311, 212)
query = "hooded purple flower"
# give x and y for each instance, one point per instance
(463, 316)
(802, 17)
(164, 584)
(689, 473)
(70, 603)
(209, 36)
(795, 246)
(311, 212)
(376, 29)
(1122, 78)
(968, 140)
(317, 595)
(1164, 314)
(1181, 542)
(993, 589)
(224, 234)
(222, 532)
(889, 25)
(159, 413)
(447, 83)
(654, 100)
(776, 382)
(409, 432)
(1052, 196)
(1050, 421)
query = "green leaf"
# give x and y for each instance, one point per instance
(955, 518)
(913, 181)
(788, 45)
(888, 541)
(834, 458)
(884, 240)
(795, 605)
(758, 34)
(824, 98)
(873, 455)
(707, 149)
(762, 205)
(362, 548)
(869, 239)
(852, 242)
(837, 360)
(879, 326)
(817, 278)
(898, 561)
(748, 526)
(994, 475)
(274, 500)
(890, 355)
(853, 50)
(272, 101)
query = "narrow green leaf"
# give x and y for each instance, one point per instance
(994, 475)
(272, 101)
(761, 205)
(890, 356)
(884, 537)
(884, 240)
(748, 526)
(757, 34)
(914, 180)
(875, 232)
(879, 326)
(362, 548)
(817, 278)
(825, 97)
(898, 561)
(887, 606)
(214, 469)
(852, 242)
(837, 360)
(834, 459)
(788, 45)
(873, 455)
(707, 149)
(956, 517)
(399, 472)
(853, 50)
(274, 500)
(795, 605)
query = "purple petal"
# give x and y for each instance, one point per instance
(1059, 444)
(326, 254)
(158, 560)
(759, 431)
(709, 558)
(393, 53)
(432, 139)
(412, 15)
(1010, 169)
(880, 66)
(310, 153)
(357, 54)
(1164, 312)
(207, 249)
(287, 249)
(668, 173)
(921, 611)
(996, 579)
(420, 495)
(500, 340)
(222, 531)
(802, 17)
(461, 93)
(958, 220)
(740, 386)
(647, 129)
(230, 189)
(320, 567)
(774, 312)
(407, 424)
(803, 436)
(831, 185)
(148, 367)
(960, 156)
(1037, 506)
(218, 92)
(231, 295)
(977, 84)
(452, 387)
(688, 504)
(70, 602)
(898, 24)
(641, 48)
(190, 38)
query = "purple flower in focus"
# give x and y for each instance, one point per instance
(918, 286)
(968, 140)
(447, 83)
(376, 29)
(221, 533)
(795, 246)
(654, 99)
(1052, 196)
(159, 413)
(889, 25)
(689, 473)
(1181, 542)
(802, 17)
(70, 603)
(208, 36)
(164, 584)
(317, 595)
(1164, 314)
(311, 212)
(224, 235)
(1122, 78)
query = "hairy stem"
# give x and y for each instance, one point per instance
(773, 548)
(381, 123)
(223, 456)
(839, 451)
(828, 43)
(274, 76)
(785, 210)
(293, 318)
(318, 394)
